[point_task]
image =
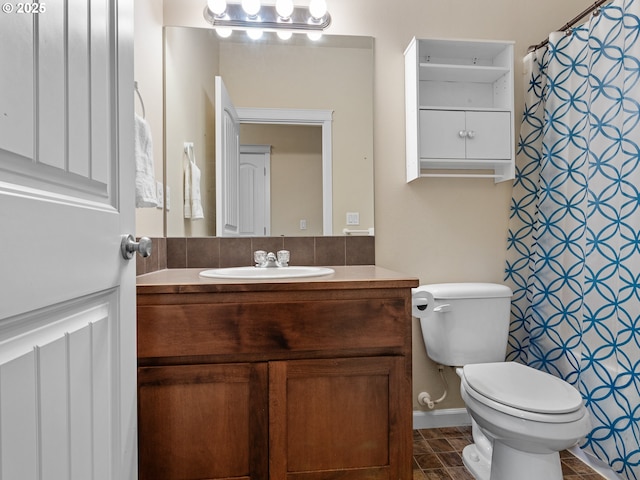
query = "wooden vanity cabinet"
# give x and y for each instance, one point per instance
(282, 384)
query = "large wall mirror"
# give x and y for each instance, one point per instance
(334, 74)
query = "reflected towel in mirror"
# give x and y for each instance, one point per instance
(145, 177)
(192, 199)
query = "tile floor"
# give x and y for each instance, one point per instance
(437, 456)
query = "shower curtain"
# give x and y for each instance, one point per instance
(573, 256)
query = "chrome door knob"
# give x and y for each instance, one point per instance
(129, 246)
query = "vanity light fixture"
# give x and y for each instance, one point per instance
(255, 33)
(217, 7)
(251, 8)
(284, 34)
(318, 9)
(284, 9)
(283, 17)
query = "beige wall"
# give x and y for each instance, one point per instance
(190, 117)
(148, 73)
(438, 230)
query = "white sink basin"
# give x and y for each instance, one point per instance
(254, 273)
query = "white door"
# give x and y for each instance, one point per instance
(227, 163)
(255, 190)
(67, 297)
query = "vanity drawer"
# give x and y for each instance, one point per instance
(271, 329)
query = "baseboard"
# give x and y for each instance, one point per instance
(446, 417)
(595, 463)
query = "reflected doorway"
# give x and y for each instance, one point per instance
(255, 190)
(294, 180)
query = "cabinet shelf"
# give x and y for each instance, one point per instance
(461, 73)
(469, 162)
(464, 109)
(499, 170)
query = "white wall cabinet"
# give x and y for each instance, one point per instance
(459, 109)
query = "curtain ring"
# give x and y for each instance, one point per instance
(568, 32)
(596, 12)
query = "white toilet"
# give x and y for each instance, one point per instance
(522, 417)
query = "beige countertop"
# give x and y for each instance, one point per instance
(188, 280)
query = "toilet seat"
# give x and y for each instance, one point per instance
(523, 392)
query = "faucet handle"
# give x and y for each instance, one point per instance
(260, 257)
(283, 258)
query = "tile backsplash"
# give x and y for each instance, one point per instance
(215, 252)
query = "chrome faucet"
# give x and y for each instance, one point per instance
(270, 260)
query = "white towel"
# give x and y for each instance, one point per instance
(192, 199)
(145, 176)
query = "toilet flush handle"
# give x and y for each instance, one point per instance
(442, 308)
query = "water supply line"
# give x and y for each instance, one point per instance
(424, 398)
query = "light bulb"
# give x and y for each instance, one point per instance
(254, 33)
(217, 7)
(284, 8)
(284, 34)
(318, 8)
(224, 32)
(251, 7)
(314, 36)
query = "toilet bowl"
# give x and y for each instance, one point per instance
(527, 417)
(521, 417)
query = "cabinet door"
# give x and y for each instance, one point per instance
(440, 134)
(488, 135)
(452, 134)
(203, 421)
(339, 418)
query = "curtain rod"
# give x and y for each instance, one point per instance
(571, 23)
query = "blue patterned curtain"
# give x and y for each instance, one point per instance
(573, 256)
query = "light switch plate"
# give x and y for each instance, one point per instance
(353, 218)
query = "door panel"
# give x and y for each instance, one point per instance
(334, 416)
(67, 308)
(492, 134)
(439, 134)
(227, 163)
(255, 201)
(56, 365)
(203, 421)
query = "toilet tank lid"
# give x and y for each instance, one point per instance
(466, 290)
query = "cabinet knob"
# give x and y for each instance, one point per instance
(462, 133)
(471, 134)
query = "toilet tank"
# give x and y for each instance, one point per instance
(464, 323)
